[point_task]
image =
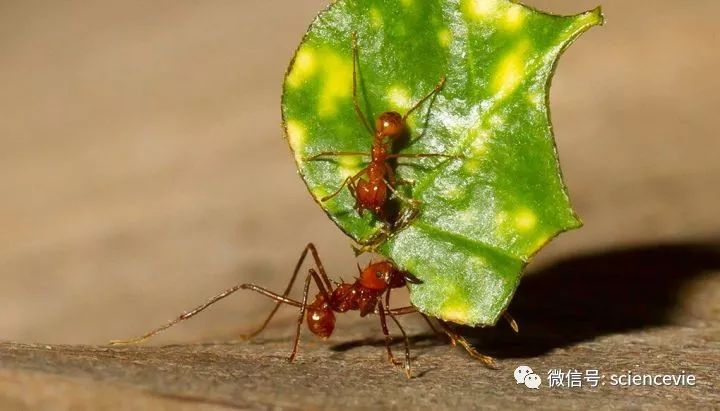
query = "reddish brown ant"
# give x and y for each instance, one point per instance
(373, 192)
(365, 294)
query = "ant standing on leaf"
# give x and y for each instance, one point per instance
(372, 193)
(366, 295)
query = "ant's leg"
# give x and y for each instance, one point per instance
(350, 182)
(400, 181)
(458, 339)
(437, 88)
(301, 315)
(407, 215)
(281, 299)
(511, 321)
(423, 155)
(369, 245)
(309, 247)
(318, 156)
(437, 332)
(356, 105)
(405, 337)
(400, 311)
(411, 201)
(391, 182)
(303, 307)
(319, 266)
(386, 333)
(344, 183)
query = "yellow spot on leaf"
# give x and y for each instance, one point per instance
(480, 9)
(511, 71)
(444, 37)
(349, 165)
(406, 3)
(376, 18)
(303, 67)
(536, 99)
(507, 15)
(456, 312)
(471, 165)
(399, 97)
(514, 17)
(296, 135)
(525, 220)
(479, 143)
(337, 83)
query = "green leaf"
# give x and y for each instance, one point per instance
(483, 216)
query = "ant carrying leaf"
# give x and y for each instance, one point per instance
(371, 187)
(473, 217)
(368, 294)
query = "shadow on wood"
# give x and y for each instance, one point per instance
(592, 295)
(589, 296)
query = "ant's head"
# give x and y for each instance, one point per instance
(384, 274)
(390, 124)
(376, 276)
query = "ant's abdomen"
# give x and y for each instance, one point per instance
(371, 196)
(320, 318)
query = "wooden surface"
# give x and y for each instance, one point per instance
(142, 170)
(645, 311)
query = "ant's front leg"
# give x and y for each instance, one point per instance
(350, 183)
(327, 154)
(406, 340)
(356, 103)
(386, 333)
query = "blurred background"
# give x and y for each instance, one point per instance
(143, 169)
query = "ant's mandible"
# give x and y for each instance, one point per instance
(368, 294)
(372, 192)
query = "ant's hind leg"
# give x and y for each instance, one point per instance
(456, 338)
(323, 283)
(350, 182)
(189, 314)
(437, 332)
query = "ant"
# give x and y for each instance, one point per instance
(365, 294)
(372, 193)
